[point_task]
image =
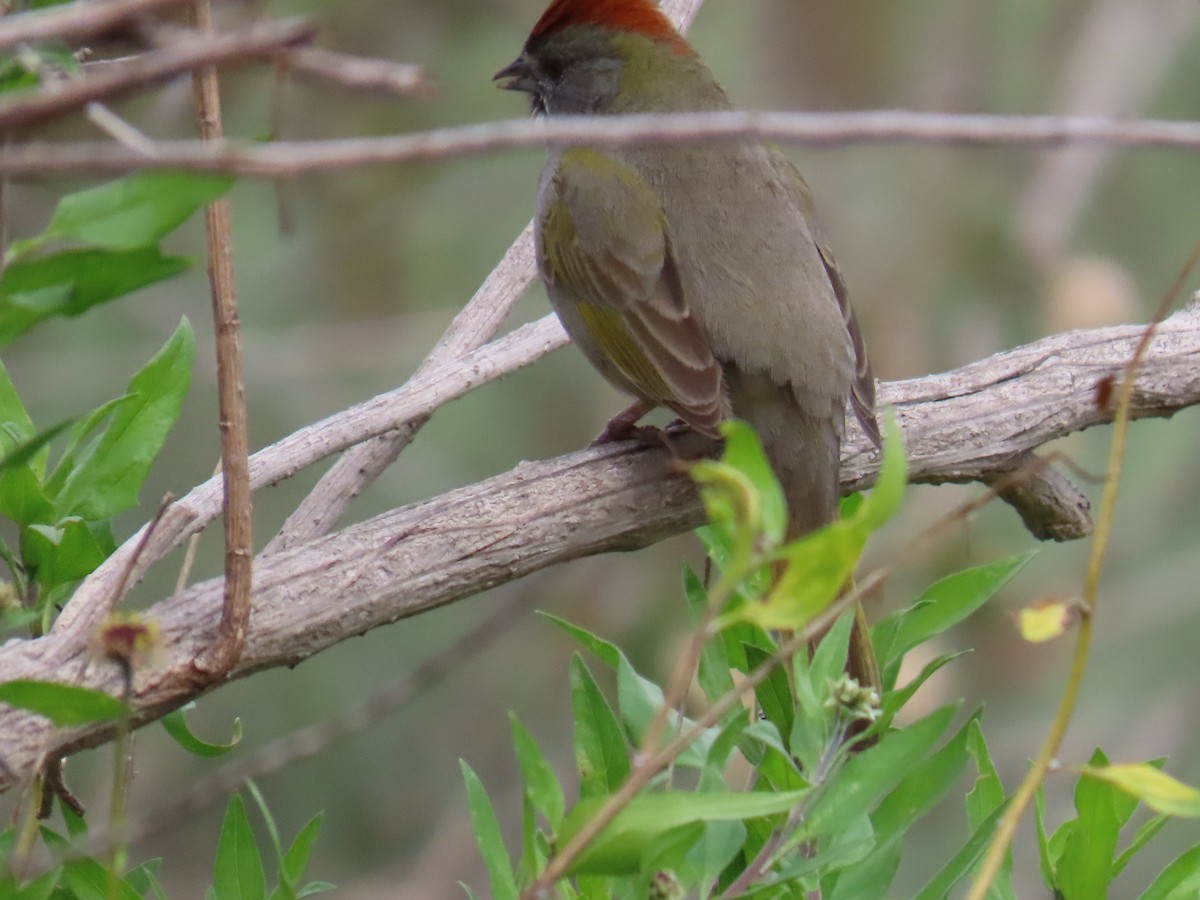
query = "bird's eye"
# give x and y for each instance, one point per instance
(552, 69)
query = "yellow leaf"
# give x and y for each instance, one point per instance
(1047, 619)
(1155, 788)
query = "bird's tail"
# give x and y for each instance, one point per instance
(805, 453)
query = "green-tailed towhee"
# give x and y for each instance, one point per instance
(693, 277)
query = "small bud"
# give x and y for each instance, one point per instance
(127, 639)
(665, 886)
(8, 597)
(852, 699)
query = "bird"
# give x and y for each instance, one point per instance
(693, 276)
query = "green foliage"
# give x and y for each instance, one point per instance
(176, 726)
(63, 704)
(64, 511)
(837, 787)
(62, 508)
(239, 872)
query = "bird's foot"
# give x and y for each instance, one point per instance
(624, 425)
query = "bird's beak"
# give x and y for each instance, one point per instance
(516, 77)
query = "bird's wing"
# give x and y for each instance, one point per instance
(605, 253)
(862, 390)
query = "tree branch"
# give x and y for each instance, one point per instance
(149, 69)
(287, 159)
(75, 20)
(968, 424)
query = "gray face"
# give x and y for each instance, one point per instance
(565, 75)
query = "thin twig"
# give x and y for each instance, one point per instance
(358, 73)
(118, 129)
(231, 390)
(1007, 827)
(291, 159)
(74, 21)
(361, 465)
(147, 70)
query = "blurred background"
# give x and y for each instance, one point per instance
(951, 254)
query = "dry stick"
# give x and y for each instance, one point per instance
(74, 21)
(362, 464)
(231, 391)
(358, 73)
(118, 129)
(1007, 826)
(290, 159)
(473, 327)
(151, 68)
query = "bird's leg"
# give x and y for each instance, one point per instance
(623, 426)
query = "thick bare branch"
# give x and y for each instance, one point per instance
(289, 159)
(968, 424)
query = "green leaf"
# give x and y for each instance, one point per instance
(541, 784)
(73, 281)
(987, 794)
(742, 486)
(961, 864)
(984, 799)
(922, 790)
(238, 870)
(143, 880)
(295, 861)
(62, 704)
(639, 700)
(884, 499)
(895, 700)
(773, 694)
(820, 564)
(17, 426)
(86, 879)
(916, 794)
(82, 430)
(939, 608)
(1149, 829)
(21, 496)
(864, 780)
(1180, 879)
(40, 888)
(620, 846)
(175, 723)
(601, 754)
(741, 495)
(1155, 788)
(26, 452)
(1046, 860)
(133, 211)
(606, 651)
(713, 673)
(62, 553)
(1085, 866)
(112, 468)
(487, 835)
(829, 659)
(716, 848)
